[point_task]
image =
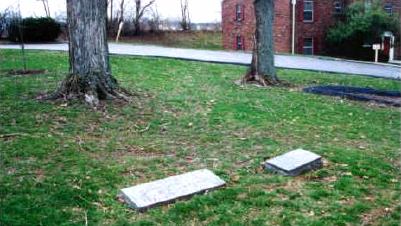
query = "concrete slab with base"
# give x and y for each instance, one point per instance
(294, 163)
(144, 196)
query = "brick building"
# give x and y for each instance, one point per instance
(312, 19)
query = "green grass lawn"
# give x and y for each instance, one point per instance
(191, 39)
(66, 164)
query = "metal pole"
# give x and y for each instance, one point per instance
(294, 2)
(21, 36)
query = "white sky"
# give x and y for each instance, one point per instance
(201, 10)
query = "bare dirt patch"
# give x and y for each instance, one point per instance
(295, 185)
(370, 217)
(132, 152)
(39, 175)
(140, 152)
(24, 72)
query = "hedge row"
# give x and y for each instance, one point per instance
(34, 30)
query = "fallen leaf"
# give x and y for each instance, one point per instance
(235, 178)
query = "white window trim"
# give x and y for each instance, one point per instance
(309, 10)
(238, 12)
(311, 47)
(238, 41)
(340, 6)
(388, 6)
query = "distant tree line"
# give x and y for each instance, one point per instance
(133, 17)
(124, 18)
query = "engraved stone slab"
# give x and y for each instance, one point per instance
(166, 190)
(294, 163)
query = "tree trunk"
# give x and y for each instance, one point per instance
(137, 24)
(185, 19)
(262, 69)
(110, 24)
(137, 27)
(90, 74)
(111, 16)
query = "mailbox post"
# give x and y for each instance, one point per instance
(376, 48)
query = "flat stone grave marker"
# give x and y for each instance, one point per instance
(294, 163)
(144, 196)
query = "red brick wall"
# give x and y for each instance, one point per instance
(231, 27)
(246, 28)
(282, 24)
(323, 18)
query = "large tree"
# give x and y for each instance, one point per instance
(90, 73)
(262, 69)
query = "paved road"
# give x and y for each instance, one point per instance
(282, 61)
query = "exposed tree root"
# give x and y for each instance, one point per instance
(260, 80)
(254, 76)
(91, 89)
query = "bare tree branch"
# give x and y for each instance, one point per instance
(120, 21)
(46, 7)
(145, 7)
(154, 22)
(139, 11)
(185, 18)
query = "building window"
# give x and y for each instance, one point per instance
(308, 10)
(308, 46)
(388, 7)
(338, 7)
(239, 14)
(240, 42)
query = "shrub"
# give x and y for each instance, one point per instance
(43, 29)
(361, 26)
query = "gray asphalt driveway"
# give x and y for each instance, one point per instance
(230, 57)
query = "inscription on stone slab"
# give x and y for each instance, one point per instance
(294, 162)
(147, 195)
